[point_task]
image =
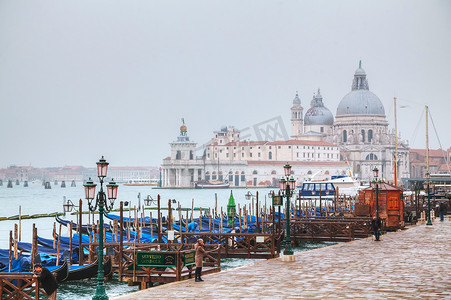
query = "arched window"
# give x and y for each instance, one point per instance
(371, 156)
(309, 172)
(191, 155)
(243, 177)
(273, 172)
(363, 136)
(207, 176)
(178, 155)
(213, 175)
(270, 155)
(370, 135)
(345, 136)
(326, 173)
(255, 172)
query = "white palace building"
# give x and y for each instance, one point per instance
(356, 141)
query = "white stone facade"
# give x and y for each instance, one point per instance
(356, 141)
(249, 163)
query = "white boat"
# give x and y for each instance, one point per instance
(212, 184)
(142, 182)
(343, 181)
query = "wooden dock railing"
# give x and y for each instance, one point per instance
(20, 286)
(240, 245)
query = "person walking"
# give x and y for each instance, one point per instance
(376, 225)
(199, 258)
(46, 280)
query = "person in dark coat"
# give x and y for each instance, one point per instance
(376, 226)
(443, 211)
(46, 280)
(199, 258)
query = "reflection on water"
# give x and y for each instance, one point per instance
(85, 289)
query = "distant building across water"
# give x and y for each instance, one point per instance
(77, 173)
(354, 142)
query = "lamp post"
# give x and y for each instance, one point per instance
(376, 173)
(250, 196)
(103, 205)
(287, 186)
(67, 207)
(428, 178)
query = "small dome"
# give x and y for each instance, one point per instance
(183, 128)
(318, 114)
(296, 99)
(360, 71)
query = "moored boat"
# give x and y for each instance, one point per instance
(142, 182)
(89, 270)
(211, 184)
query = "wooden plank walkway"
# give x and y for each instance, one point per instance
(409, 264)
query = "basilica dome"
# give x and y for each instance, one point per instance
(360, 101)
(296, 100)
(318, 114)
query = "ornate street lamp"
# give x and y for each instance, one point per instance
(149, 201)
(249, 195)
(376, 173)
(68, 205)
(287, 186)
(103, 205)
(428, 178)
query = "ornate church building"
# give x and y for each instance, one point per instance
(361, 132)
(356, 141)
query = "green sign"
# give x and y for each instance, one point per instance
(277, 200)
(156, 259)
(189, 258)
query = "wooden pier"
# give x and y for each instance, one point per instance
(409, 264)
(20, 286)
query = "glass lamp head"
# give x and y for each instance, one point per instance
(292, 183)
(90, 189)
(111, 189)
(282, 184)
(287, 169)
(375, 172)
(102, 167)
(68, 206)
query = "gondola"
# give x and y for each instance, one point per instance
(132, 220)
(85, 229)
(61, 271)
(23, 265)
(89, 271)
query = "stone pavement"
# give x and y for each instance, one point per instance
(409, 264)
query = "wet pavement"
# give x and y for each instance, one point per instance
(410, 264)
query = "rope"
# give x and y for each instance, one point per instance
(440, 144)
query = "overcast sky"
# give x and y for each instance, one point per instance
(81, 79)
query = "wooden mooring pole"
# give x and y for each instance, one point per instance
(80, 222)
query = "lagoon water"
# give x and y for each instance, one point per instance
(35, 199)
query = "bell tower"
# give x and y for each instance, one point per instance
(297, 118)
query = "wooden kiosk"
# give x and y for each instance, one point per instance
(391, 207)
